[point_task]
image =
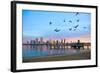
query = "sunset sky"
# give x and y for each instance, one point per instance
(44, 23)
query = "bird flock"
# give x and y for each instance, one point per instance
(69, 21)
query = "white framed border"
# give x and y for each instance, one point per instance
(38, 65)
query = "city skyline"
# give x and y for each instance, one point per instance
(41, 39)
(57, 44)
(82, 39)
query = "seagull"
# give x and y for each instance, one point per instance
(70, 21)
(76, 26)
(50, 23)
(77, 13)
(57, 30)
(64, 20)
(78, 20)
(84, 27)
(70, 29)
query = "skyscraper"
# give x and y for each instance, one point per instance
(41, 40)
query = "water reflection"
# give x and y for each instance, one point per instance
(44, 50)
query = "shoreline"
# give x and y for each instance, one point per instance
(79, 56)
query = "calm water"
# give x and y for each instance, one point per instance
(40, 51)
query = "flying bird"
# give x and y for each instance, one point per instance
(57, 30)
(70, 29)
(64, 21)
(78, 20)
(77, 13)
(70, 21)
(84, 27)
(76, 26)
(50, 23)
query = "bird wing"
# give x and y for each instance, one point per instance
(57, 30)
(77, 13)
(76, 26)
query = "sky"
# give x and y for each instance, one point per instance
(36, 23)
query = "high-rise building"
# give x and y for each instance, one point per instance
(27, 42)
(41, 40)
(78, 41)
(37, 40)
